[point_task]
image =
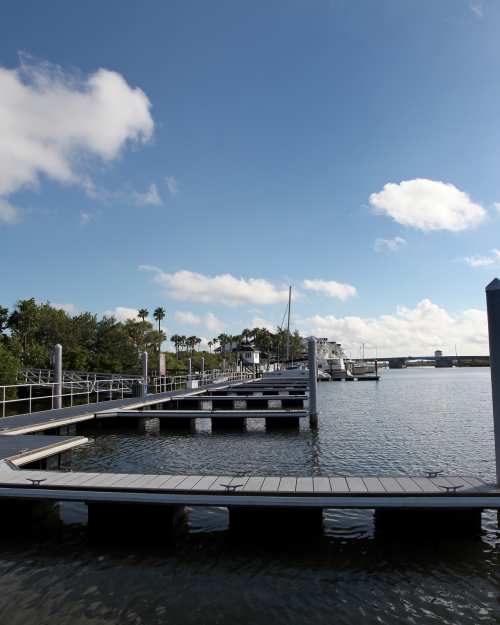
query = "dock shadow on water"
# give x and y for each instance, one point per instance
(345, 575)
(352, 571)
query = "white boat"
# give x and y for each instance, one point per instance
(293, 371)
(330, 358)
(363, 368)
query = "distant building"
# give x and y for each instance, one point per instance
(248, 354)
(245, 352)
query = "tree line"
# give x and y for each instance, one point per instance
(30, 330)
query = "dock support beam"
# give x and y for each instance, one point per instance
(57, 388)
(313, 382)
(493, 306)
(144, 362)
(144, 522)
(228, 423)
(287, 523)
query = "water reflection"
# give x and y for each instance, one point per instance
(409, 422)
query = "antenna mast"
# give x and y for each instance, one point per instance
(288, 325)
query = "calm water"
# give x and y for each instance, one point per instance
(413, 420)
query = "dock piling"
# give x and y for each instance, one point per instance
(313, 382)
(493, 308)
(57, 388)
(144, 361)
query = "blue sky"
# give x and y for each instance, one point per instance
(255, 155)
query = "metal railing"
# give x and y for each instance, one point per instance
(36, 396)
(45, 376)
(163, 384)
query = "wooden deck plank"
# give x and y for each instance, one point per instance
(426, 484)
(157, 482)
(409, 485)
(205, 482)
(304, 485)
(455, 481)
(356, 485)
(108, 480)
(270, 484)
(220, 481)
(474, 482)
(172, 482)
(253, 484)
(440, 482)
(143, 480)
(189, 482)
(237, 481)
(373, 485)
(391, 485)
(287, 485)
(339, 485)
(64, 478)
(321, 485)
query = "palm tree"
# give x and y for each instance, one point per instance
(197, 340)
(143, 313)
(191, 342)
(176, 340)
(159, 314)
(182, 341)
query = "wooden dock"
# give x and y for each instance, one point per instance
(204, 414)
(62, 417)
(22, 450)
(373, 492)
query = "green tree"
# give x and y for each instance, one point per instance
(9, 367)
(159, 315)
(176, 340)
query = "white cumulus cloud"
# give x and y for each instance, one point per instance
(50, 120)
(223, 289)
(389, 245)
(69, 308)
(121, 313)
(428, 205)
(410, 331)
(149, 197)
(172, 185)
(260, 322)
(483, 261)
(9, 213)
(330, 288)
(210, 321)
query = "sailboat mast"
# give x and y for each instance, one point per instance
(288, 325)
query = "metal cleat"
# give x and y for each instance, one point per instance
(231, 488)
(451, 489)
(433, 473)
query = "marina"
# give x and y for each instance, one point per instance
(166, 495)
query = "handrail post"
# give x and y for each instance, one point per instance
(57, 387)
(313, 382)
(144, 361)
(493, 307)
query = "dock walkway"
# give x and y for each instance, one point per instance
(49, 419)
(416, 492)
